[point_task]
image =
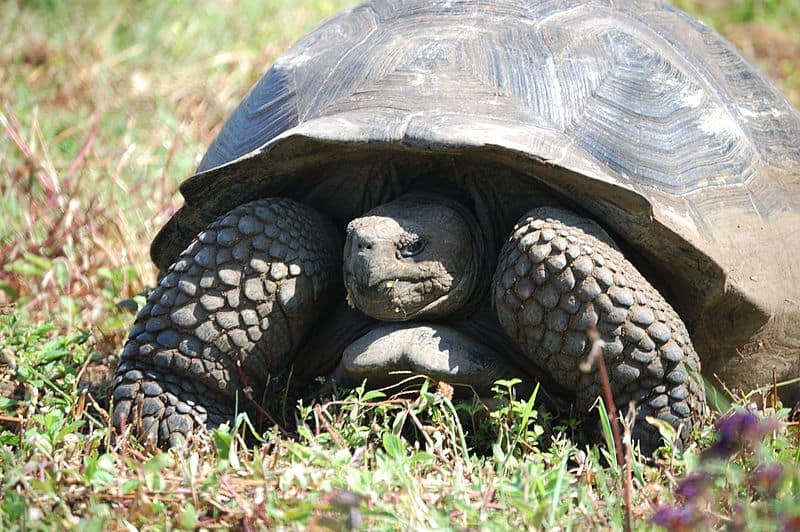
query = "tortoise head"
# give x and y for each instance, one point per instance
(415, 257)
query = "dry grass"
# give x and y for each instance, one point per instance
(105, 109)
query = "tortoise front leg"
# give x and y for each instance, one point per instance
(559, 277)
(391, 353)
(236, 303)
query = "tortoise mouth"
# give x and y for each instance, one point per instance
(397, 299)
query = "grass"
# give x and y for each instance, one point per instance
(764, 29)
(104, 108)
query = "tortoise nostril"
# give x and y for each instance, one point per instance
(362, 243)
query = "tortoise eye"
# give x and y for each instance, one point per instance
(412, 249)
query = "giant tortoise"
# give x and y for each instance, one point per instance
(514, 183)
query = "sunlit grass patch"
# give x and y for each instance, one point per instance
(105, 108)
(413, 460)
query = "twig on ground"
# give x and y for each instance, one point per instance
(320, 413)
(247, 391)
(596, 357)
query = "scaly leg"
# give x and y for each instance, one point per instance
(560, 276)
(236, 303)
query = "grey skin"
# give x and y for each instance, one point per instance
(242, 301)
(416, 259)
(413, 258)
(560, 280)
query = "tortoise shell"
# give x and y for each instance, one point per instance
(629, 111)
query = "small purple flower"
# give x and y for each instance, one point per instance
(675, 518)
(739, 518)
(766, 477)
(740, 429)
(791, 524)
(694, 485)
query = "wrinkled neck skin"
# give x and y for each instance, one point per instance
(417, 257)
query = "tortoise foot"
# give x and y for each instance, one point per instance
(561, 285)
(163, 408)
(231, 311)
